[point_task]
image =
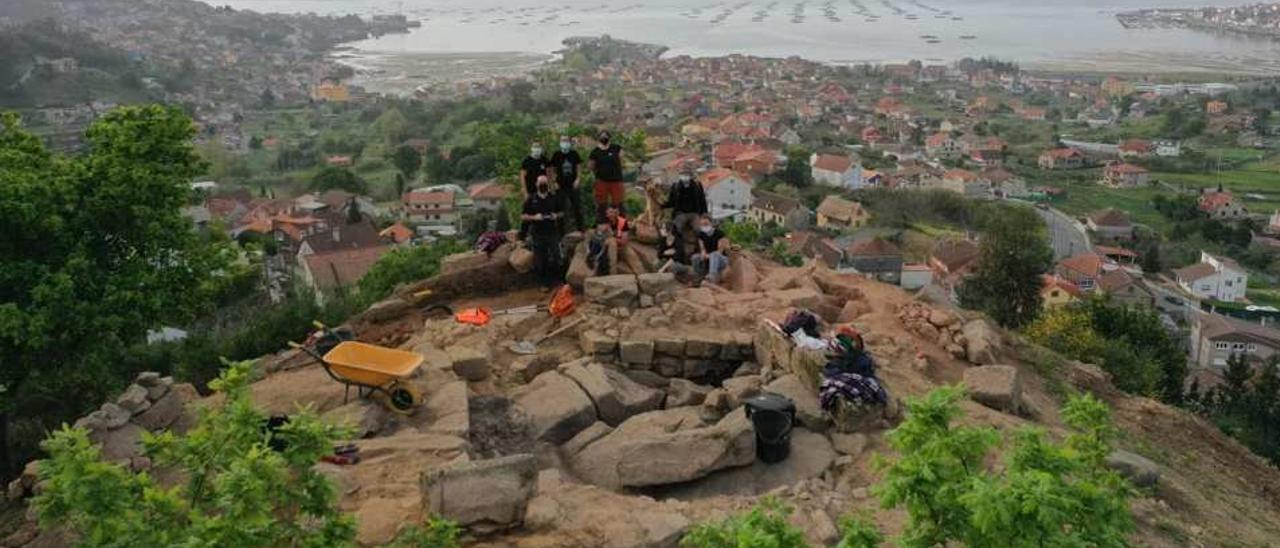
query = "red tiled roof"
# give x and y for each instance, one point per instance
(438, 197)
(873, 246)
(487, 191)
(834, 163)
(712, 177)
(1061, 153)
(955, 255)
(1051, 281)
(1215, 200)
(1109, 251)
(1125, 169)
(961, 175)
(342, 268)
(397, 233)
(1195, 272)
(1088, 263)
(1111, 217)
(937, 139)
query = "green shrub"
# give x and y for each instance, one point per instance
(239, 491)
(764, 526)
(435, 533)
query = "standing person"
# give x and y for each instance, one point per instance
(564, 163)
(605, 162)
(540, 214)
(688, 202)
(533, 166)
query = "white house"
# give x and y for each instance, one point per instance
(837, 171)
(1214, 278)
(726, 190)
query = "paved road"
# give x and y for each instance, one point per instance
(1066, 237)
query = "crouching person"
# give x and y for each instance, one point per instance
(541, 212)
(610, 243)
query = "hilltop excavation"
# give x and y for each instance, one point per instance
(630, 426)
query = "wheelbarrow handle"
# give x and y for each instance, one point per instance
(308, 350)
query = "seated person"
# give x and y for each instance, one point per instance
(709, 238)
(619, 243)
(599, 255)
(849, 378)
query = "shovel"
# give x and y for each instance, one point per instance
(529, 348)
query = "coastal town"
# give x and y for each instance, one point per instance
(798, 144)
(774, 216)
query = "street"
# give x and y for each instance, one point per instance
(1066, 237)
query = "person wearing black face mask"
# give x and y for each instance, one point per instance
(533, 166)
(564, 163)
(541, 213)
(605, 162)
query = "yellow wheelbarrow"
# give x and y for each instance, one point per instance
(370, 368)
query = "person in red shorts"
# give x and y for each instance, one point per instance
(605, 162)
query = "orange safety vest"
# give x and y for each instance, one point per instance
(620, 227)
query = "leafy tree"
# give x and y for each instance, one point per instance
(400, 185)
(1014, 255)
(1046, 494)
(337, 178)
(403, 266)
(245, 485)
(391, 126)
(95, 252)
(797, 172)
(407, 160)
(935, 469)
(764, 525)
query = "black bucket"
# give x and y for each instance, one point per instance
(772, 416)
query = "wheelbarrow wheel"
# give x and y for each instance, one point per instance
(403, 398)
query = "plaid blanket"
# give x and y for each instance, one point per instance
(851, 387)
(490, 241)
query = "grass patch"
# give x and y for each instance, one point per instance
(1085, 198)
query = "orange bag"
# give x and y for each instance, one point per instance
(474, 316)
(562, 303)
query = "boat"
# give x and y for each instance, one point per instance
(968, 37)
(935, 41)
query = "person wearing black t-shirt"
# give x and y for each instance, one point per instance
(564, 165)
(541, 213)
(605, 162)
(533, 166)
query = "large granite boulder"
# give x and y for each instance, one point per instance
(485, 495)
(664, 447)
(996, 386)
(557, 407)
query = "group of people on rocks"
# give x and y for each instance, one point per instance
(553, 208)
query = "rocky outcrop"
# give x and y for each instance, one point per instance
(996, 386)
(469, 362)
(612, 291)
(484, 496)
(557, 407)
(1139, 470)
